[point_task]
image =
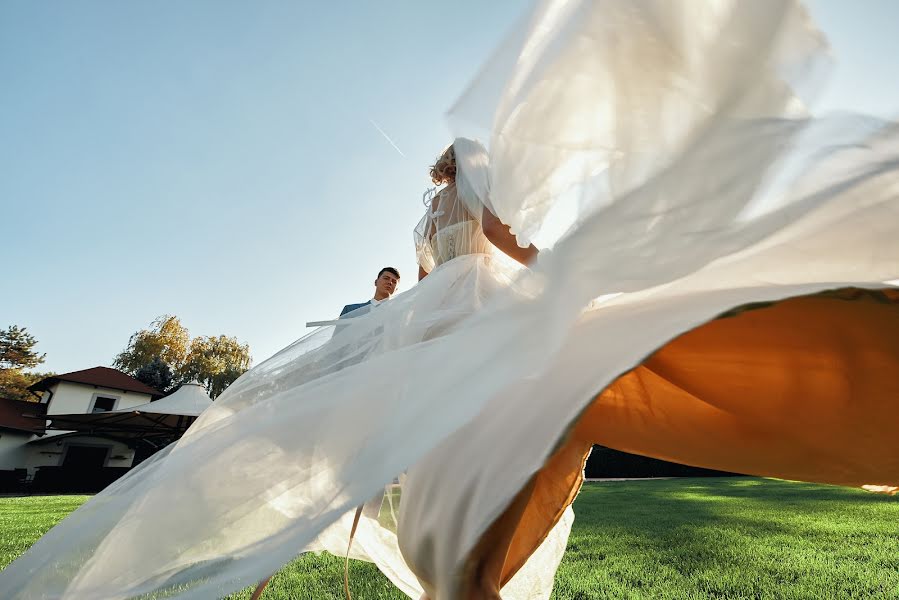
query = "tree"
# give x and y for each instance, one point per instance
(166, 339)
(17, 353)
(17, 349)
(14, 384)
(215, 362)
(157, 374)
(163, 356)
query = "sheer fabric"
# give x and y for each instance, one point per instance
(451, 227)
(671, 134)
(583, 103)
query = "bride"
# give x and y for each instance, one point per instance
(709, 290)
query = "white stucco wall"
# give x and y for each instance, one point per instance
(45, 454)
(13, 452)
(71, 398)
(51, 453)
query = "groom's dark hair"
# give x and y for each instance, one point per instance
(389, 270)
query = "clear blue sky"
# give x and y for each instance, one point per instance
(216, 160)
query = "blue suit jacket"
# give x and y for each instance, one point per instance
(355, 307)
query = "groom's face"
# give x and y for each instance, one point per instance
(386, 283)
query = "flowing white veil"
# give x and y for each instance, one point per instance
(582, 102)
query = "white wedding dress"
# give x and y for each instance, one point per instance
(451, 245)
(661, 148)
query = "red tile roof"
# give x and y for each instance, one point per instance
(23, 416)
(100, 377)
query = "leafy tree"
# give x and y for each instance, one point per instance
(14, 384)
(163, 356)
(215, 362)
(17, 353)
(17, 349)
(157, 374)
(166, 339)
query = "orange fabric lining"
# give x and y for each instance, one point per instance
(805, 388)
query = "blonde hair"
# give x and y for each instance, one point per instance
(444, 170)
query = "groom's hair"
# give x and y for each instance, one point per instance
(389, 270)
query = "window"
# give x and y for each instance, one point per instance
(103, 404)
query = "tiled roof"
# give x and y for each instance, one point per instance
(100, 377)
(23, 416)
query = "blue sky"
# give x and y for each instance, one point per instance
(217, 160)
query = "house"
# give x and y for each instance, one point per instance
(26, 444)
(88, 429)
(147, 427)
(96, 390)
(20, 422)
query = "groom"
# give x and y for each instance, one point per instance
(385, 285)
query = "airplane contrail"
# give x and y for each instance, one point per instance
(387, 137)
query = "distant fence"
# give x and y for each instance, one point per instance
(74, 480)
(608, 463)
(603, 463)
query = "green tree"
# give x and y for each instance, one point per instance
(166, 339)
(17, 353)
(14, 384)
(17, 349)
(157, 374)
(215, 362)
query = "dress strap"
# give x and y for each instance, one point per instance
(428, 199)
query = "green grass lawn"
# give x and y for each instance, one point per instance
(682, 538)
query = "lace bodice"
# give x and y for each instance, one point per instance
(458, 239)
(448, 230)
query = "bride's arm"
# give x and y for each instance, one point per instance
(499, 235)
(421, 273)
